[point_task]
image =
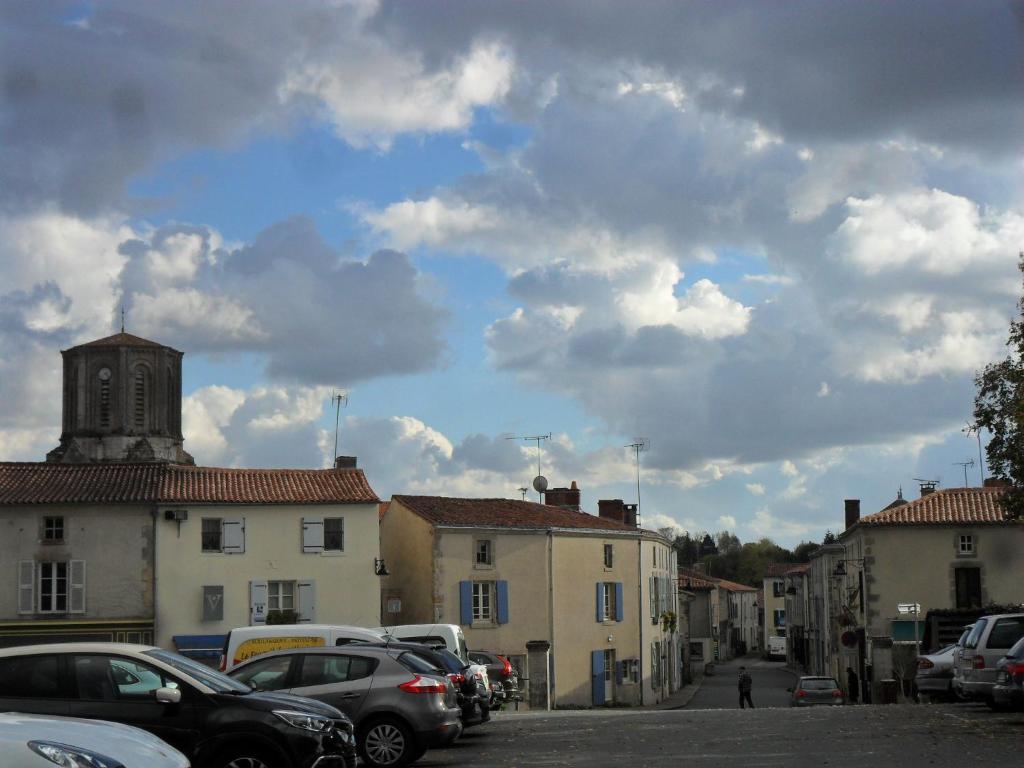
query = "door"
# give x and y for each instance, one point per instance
(340, 679)
(32, 684)
(609, 675)
(121, 688)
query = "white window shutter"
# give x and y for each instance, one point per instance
(312, 534)
(76, 586)
(257, 602)
(306, 601)
(234, 535)
(26, 586)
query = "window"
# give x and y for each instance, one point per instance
(137, 681)
(32, 677)
(280, 596)
(778, 588)
(327, 670)
(53, 529)
(53, 587)
(1006, 632)
(968, 587)
(212, 534)
(609, 555)
(139, 410)
(484, 552)
(608, 612)
(266, 674)
(965, 544)
(483, 600)
(779, 618)
(334, 534)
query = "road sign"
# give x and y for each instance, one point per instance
(909, 607)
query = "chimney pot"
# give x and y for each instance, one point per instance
(852, 512)
(611, 509)
(344, 462)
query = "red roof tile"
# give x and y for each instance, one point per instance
(503, 513)
(733, 586)
(42, 483)
(122, 340)
(693, 580)
(799, 568)
(950, 505)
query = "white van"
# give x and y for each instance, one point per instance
(448, 635)
(243, 643)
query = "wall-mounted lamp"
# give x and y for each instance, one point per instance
(840, 569)
(379, 568)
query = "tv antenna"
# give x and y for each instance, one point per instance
(639, 445)
(339, 399)
(976, 429)
(926, 485)
(540, 483)
(523, 491)
(965, 465)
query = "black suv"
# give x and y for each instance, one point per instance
(215, 721)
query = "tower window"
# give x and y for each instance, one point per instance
(104, 375)
(140, 398)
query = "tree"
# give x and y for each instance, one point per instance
(999, 408)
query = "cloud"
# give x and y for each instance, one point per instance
(727, 522)
(777, 528)
(755, 489)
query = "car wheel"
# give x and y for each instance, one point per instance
(387, 744)
(243, 757)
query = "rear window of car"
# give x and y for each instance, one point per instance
(1018, 649)
(418, 664)
(1006, 632)
(29, 677)
(972, 639)
(818, 684)
(451, 662)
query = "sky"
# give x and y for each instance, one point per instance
(774, 242)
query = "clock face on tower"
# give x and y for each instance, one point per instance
(104, 374)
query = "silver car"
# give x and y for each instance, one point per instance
(400, 703)
(43, 741)
(989, 640)
(934, 678)
(816, 691)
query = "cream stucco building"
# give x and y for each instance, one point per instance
(597, 590)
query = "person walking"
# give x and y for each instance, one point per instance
(852, 685)
(744, 685)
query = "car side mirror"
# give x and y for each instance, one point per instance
(168, 695)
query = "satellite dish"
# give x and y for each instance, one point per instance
(540, 483)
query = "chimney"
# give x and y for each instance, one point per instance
(566, 498)
(995, 482)
(344, 462)
(611, 509)
(629, 514)
(852, 512)
(928, 486)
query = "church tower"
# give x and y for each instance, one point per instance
(122, 402)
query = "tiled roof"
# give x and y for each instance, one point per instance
(42, 483)
(799, 568)
(777, 569)
(732, 586)
(382, 509)
(693, 580)
(950, 505)
(503, 513)
(121, 340)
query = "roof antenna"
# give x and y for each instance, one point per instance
(122, 317)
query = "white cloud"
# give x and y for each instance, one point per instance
(767, 524)
(755, 489)
(728, 522)
(926, 229)
(824, 390)
(788, 469)
(769, 279)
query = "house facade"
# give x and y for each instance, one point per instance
(774, 602)
(596, 589)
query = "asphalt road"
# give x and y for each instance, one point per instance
(719, 690)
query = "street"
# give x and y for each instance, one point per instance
(712, 731)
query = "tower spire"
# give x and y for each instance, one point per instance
(122, 317)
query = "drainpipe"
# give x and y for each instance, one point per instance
(640, 611)
(551, 614)
(155, 514)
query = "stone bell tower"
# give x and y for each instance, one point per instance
(122, 402)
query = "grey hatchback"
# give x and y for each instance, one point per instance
(817, 691)
(400, 704)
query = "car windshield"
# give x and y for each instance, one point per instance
(818, 684)
(943, 651)
(211, 678)
(972, 639)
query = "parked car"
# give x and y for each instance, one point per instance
(43, 741)
(500, 672)
(215, 721)
(957, 677)
(474, 700)
(1008, 692)
(934, 678)
(400, 703)
(244, 643)
(989, 640)
(816, 691)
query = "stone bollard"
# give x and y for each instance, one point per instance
(539, 693)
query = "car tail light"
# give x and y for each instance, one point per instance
(978, 662)
(1015, 668)
(925, 664)
(507, 667)
(456, 678)
(423, 685)
(837, 693)
(800, 693)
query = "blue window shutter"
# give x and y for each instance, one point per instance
(618, 601)
(502, 589)
(619, 672)
(597, 673)
(600, 602)
(466, 602)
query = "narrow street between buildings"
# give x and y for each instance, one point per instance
(718, 689)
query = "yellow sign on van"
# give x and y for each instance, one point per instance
(260, 645)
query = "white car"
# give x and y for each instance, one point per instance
(43, 741)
